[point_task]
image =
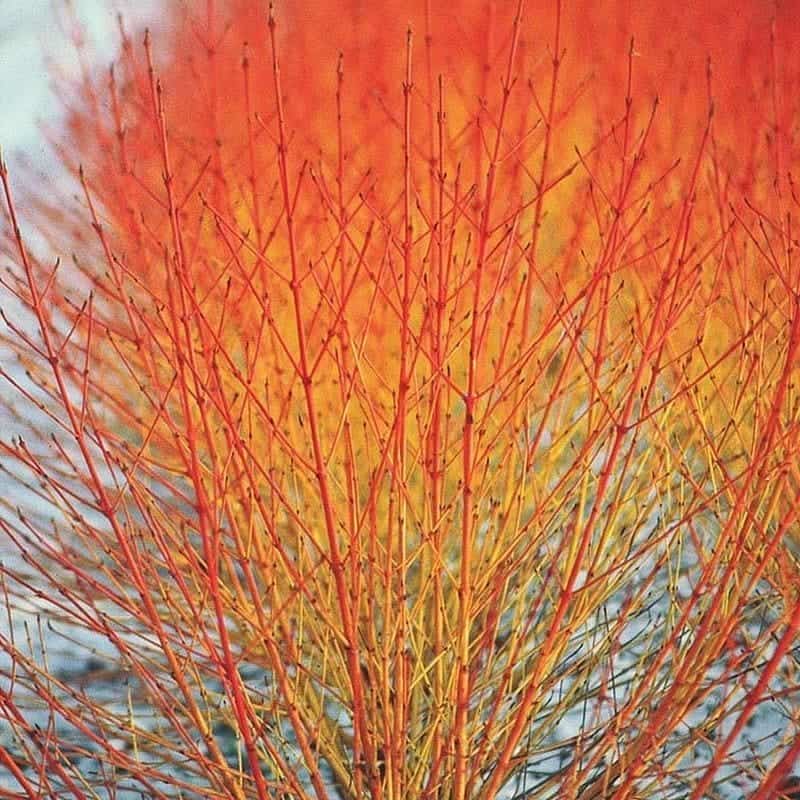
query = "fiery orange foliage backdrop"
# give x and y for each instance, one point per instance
(438, 362)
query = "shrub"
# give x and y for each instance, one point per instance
(414, 413)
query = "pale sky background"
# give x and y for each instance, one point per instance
(28, 29)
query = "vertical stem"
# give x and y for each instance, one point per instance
(400, 445)
(462, 697)
(360, 722)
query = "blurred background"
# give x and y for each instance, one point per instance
(34, 32)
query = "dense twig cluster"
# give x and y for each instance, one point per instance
(420, 422)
